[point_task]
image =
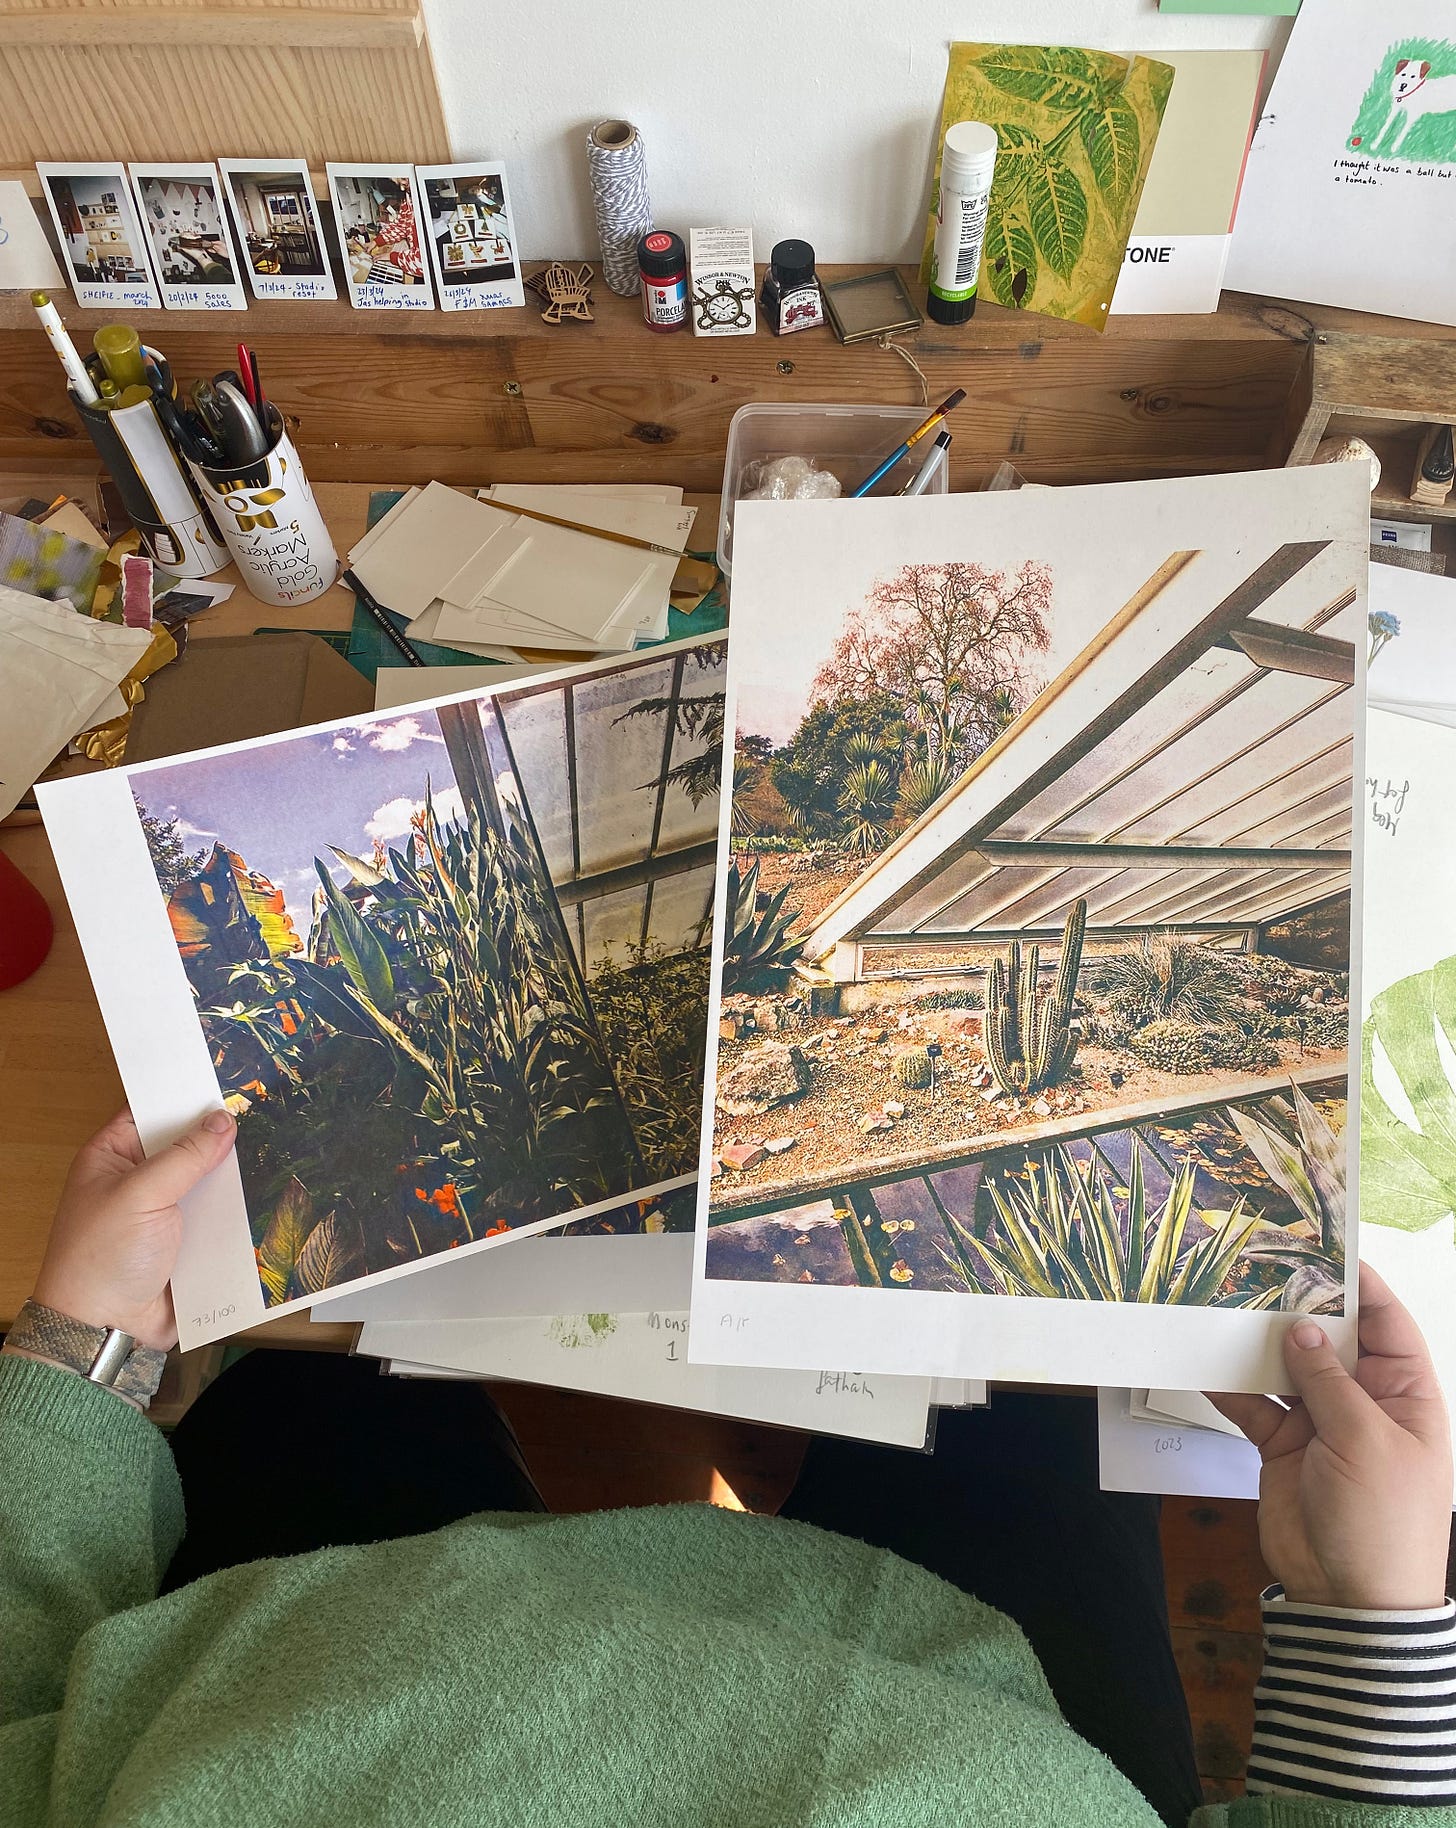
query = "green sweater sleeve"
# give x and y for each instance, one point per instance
(90, 1515)
(1316, 1812)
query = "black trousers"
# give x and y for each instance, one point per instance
(291, 1451)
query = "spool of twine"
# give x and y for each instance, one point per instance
(617, 170)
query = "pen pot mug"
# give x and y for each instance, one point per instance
(271, 522)
(165, 504)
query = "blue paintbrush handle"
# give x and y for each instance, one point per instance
(884, 470)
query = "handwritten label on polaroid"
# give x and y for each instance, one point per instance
(374, 296)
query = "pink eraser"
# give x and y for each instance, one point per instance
(136, 591)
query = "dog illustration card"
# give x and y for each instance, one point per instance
(1358, 146)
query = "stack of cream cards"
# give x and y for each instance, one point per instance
(526, 565)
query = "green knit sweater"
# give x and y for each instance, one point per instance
(681, 1666)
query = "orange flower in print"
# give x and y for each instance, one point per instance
(446, 1198)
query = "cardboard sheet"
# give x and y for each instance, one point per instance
(58, 675)
(1180, 236)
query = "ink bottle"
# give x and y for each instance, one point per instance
(791, 299)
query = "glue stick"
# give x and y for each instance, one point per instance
(966, 162)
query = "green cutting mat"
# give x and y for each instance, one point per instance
(369, 647)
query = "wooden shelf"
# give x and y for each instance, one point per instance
(500, 396)
(290, 28)
(1397, 466)
(1241, 317)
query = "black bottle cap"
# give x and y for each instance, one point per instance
(950, 310)
(793, 263)
(661, 255)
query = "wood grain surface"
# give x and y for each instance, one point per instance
(456, 396)
(162, 79)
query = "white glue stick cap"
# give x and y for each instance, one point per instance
(970, 154)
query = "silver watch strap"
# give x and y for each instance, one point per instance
(103, 1355)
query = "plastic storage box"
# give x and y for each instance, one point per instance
(849, 440)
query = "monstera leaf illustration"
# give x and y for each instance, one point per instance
(1408, 1176)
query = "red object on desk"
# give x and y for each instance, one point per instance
(26, 930)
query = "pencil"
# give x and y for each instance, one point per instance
(412, 655)
(947, 404)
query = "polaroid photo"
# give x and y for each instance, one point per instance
(279, 228)
(192, 247)
(378, 212)
(472, 235)
(102, 241)
(447, 966)
(1033, 998)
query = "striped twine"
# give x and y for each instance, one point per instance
(617, 170)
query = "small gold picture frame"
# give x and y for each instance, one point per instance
(870, 305)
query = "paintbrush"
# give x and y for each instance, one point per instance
(576, 526)
(935, 419)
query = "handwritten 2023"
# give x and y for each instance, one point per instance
(1387, 801)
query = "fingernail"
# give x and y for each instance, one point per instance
(218, 1122)
(1308, 1335)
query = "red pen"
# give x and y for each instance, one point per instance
(245, 374)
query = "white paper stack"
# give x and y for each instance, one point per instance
(608, 1315)
(476, 574)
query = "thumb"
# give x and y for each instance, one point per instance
(1334, 1402)
(163, 1178)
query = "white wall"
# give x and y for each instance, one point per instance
(809, 117)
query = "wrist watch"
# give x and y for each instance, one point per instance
(102, 1355)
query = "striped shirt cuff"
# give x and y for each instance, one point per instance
(1356, 1706)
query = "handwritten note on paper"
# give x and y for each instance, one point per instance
(1141, 1454)
(1386, 796)
(643, 1357)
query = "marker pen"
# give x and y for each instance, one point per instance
(50, 321)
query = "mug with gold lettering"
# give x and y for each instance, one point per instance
(266, 513)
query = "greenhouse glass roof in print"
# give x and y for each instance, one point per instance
(631, 856)
(1191, 770)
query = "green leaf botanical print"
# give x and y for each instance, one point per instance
(1408, 1176)
(1114, 144)
(1054, 76)
(1008, 259)
(1056, 206)
(1075, 130)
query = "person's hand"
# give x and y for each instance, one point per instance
(115, 1235)
(1355, 1493)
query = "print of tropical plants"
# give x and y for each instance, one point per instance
(1075, 130)
(1408, 1176)
(650, 1006)
(429, 1072)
